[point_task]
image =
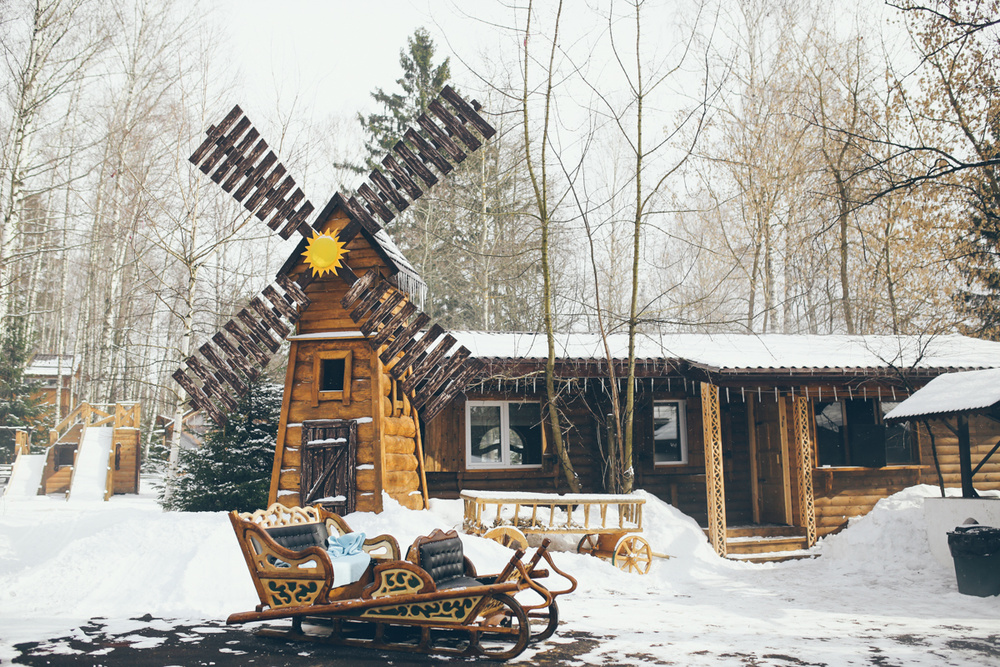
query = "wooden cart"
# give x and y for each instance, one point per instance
(608, 522)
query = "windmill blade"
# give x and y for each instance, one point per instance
(428, 368)
(232, 150)
(223, 372)
(429, 147)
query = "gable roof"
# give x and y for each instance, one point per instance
(404, 275)
(42, 365)
(730, 353)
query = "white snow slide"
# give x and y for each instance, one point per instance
(91, 472)
(26, 476)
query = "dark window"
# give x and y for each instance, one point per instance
(669, 444)
(331, 375)
(851, 433)
(501, 433)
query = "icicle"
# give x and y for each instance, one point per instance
(668, 385)
(821, 392)
(865, 391)
(727, 395)
(533, 380)
(743, 394)
(793, 393)
(758, 393)
(584, 385)
(850, 391)
(893, 393)
(835, 393)
(775, 393)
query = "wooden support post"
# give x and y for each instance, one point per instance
(965, 457)
(803, 438)
(420, 457)
(714, 484)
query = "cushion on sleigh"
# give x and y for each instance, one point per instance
(348, 559)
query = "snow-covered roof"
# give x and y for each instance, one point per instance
(952, 392)
(751, 352)
(49, 364)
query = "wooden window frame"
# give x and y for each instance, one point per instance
(504, 463)
(345, 394)
(681, 431)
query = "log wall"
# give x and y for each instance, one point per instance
(126, 474)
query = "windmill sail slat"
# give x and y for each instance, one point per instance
(264, 188)
(428, 366)
(247, 344)
(268, 315)
(449, 369)
(360, 288)
(447, 393)
(467, 113)
(402, 178)
(259, 330)
(275, 199)
(375, 202)
(198, 397)
(441, 140)
(404, 338)
(394, 325)
(253, 177)
(214, 132)
(234, 357)
(244, 160)
(388, 191)
(223, 369)
(414, 163)
(383, 311)
(365, 304)
(293, 290)
(361, 214)
(427, 152)
(211, 385)
(282, 306)
(297, 222)
(454, 125)
(418, 348)
(230, 150)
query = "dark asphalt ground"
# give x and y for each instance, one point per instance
(217, 645)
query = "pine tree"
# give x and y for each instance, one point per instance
(231, 470)
(980, 301)
(20, 401)
(421, 82)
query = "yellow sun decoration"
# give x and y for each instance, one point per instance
(325, 253)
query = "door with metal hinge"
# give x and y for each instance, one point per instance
(328, 462)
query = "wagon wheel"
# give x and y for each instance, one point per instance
(509, 536)
(504, 631)
(632, 554)
(587, 544)
(545, 621)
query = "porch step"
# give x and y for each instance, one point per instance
(764, 530)
(60, 480)
(764, 545)
(773, 557)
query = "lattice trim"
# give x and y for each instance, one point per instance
(803, 437)
(714, 483)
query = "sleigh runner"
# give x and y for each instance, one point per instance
(433, 602)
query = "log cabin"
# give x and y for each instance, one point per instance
(769, 441)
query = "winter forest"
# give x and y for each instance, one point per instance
(761, 166)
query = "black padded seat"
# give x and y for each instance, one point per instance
(444, 560)
(297, 537)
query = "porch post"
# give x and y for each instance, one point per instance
(803, 438)
(714, 484)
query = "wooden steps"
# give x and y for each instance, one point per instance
(59, 481)
(766, 544)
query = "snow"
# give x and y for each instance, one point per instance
(735, 351)
(91, 471)
(874, 595)
(952, 392)
(25, 476)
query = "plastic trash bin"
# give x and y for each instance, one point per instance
(976, 551)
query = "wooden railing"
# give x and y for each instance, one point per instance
(22, 442)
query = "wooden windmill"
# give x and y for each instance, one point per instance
(335, 392)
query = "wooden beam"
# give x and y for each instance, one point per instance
(467, 113)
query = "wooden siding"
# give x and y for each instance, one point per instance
(126, 474)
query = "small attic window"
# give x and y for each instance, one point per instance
(331, 372)
(332, 376)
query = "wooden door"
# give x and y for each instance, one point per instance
(328, 455)
(771, 463)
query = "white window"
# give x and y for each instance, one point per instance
(501, 434)
(669, 433)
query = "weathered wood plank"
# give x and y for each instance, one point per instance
(293, 290)
(264, 188)
(382, 312)
(234, 357)
(417, 350)
(427, 152)
(198, 397)
(285, 209)
(427, 367)
(223, 369)
(253, 175)
(375, 203)
(441, 140)
(247, 343)
(234, 153)
(360, 289)
(415, 165)
(280, 304)
(435, 381)
(454, 125)
(404, 338)
(275, 198)
(214, 133)
(401, 177)
(387, 191)
(257, 329)
(394, 326)
(467, 113)
(297, 222)
(361, 214)
(268, 316)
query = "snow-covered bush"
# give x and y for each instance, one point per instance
(232, 469)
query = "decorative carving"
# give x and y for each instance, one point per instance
(714, 484)
(454, 610)
(803, 437)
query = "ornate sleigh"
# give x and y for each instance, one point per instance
(433, 602)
